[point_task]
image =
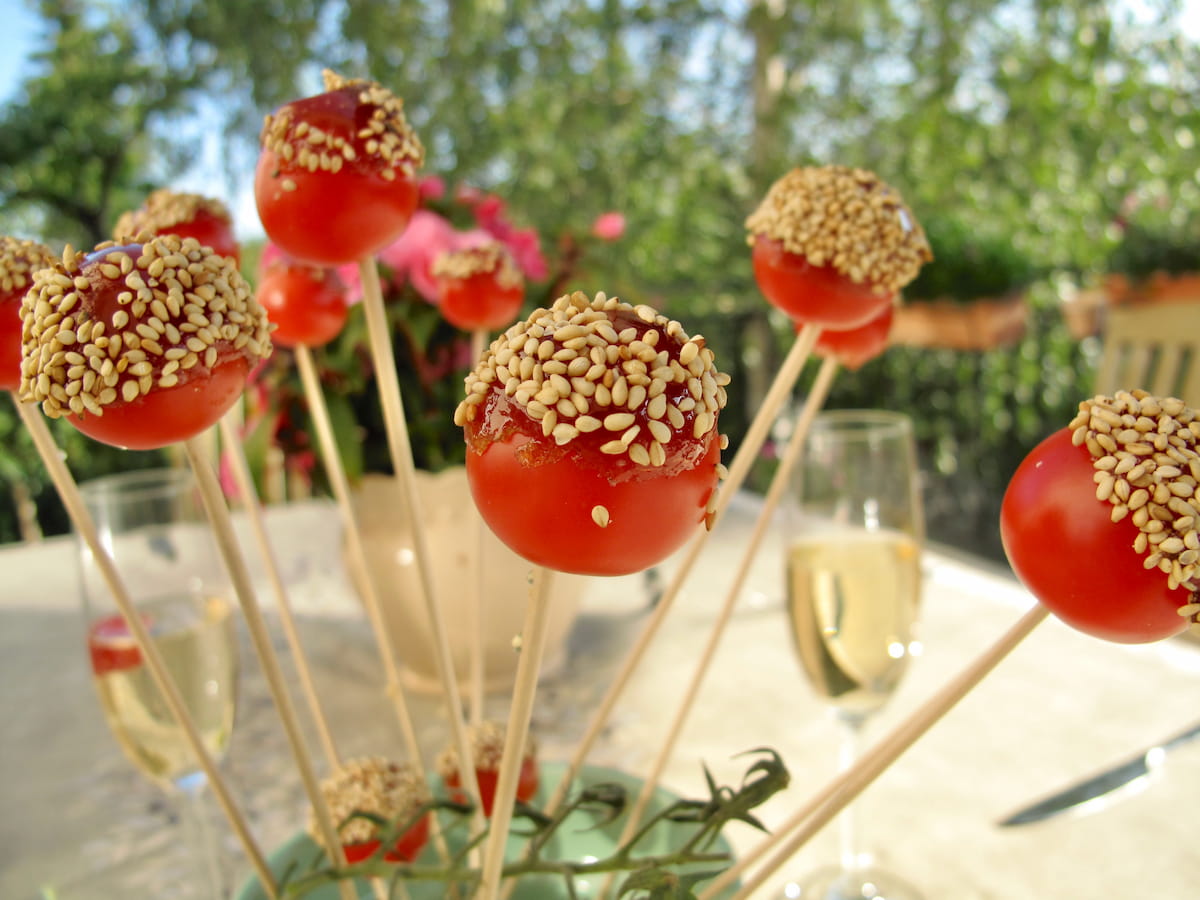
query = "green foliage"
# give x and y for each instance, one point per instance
(969, 264)
(1146, 248)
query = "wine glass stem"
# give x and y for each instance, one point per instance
(851, 726)
(199, 834)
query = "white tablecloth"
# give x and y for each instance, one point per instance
(1059, 707)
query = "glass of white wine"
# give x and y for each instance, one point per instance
(152, 522)
(853, 590)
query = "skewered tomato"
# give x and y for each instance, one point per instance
(186, 215)
(487, 749)
(854, 347)
(336, 178)
(395, 792)
(479, 288)
(306, 304)
(1100, 535)
(115, 342)
(592, 435)
(832, 246)
(18, 261)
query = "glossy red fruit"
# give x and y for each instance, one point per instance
(405, 850)
(111, 647)
(817, 295)
(146, 362)
(854, 347)
(1064, 546)
(336, 178)
(479, 288)
(183, 214)
(18, 260)
(306, 304)
(527, 784)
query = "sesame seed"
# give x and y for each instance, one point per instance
(600, 516)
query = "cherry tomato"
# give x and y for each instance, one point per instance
(111, 646)
(306, 304)
(584, 478)
(820, 295)
(527, 784)
(144, 362)
(479, 288)
(18, 260)
(186, 215)
(854, 347)
(359, 192)
(1064, 546)
(406, 849)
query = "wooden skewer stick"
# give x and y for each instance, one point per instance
(768, 411)
(845, 787)
(239, 575)
(779, 484)
(532, 646)
(236, 455)
(400, 449)
(339, 483)
(476, 618)
(72, 500)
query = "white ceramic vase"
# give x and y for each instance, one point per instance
(455, 537)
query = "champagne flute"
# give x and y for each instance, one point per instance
(152, 523)
(853, 590)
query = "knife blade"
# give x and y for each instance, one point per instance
(1100, 789)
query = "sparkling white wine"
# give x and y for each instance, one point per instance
(196, 640)
(852, 601)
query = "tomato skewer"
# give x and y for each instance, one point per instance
(479, 288)
(186, 215)
(18, 261)
(306, 304)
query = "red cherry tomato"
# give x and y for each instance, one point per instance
(478, 302)
(820, 295)
(1065, 548)
(18, 260)
(185, 215)
(111, 646)
(361, 198)
(527, 784)
(406, 849)
(168, 362)
(854, 347)
(211, 231)
(306, 304)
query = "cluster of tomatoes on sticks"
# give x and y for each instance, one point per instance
(348, 201)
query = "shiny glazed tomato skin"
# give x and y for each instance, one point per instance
(10, 341)
(331, 218)
(166, 416)
(854, 347)
(817, 295)
(406, 849)
(544, 511)
(306, 305)
(478, 302)
(1065, 548)
(528, 780)
(211, 231)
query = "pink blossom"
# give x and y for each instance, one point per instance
(609, 226)
(411, 256)
(525, 246)
(467, 194)
(431, 187)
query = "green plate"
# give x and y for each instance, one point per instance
(569, 842)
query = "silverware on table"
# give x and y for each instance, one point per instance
(1101, 789)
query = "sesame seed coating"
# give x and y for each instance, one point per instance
(487, 747)
(492, 257)
(384, 141)
(154, 314)
(19, 259)
(164, 209)
(634, 374)
(1146, 455)
(845, 218)
(390, 790)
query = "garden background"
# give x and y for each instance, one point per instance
(1044, 146)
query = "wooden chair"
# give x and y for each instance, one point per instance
(1155, 347)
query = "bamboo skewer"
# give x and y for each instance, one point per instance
(68, 492)
(236, 455)
(227, 543)
(779, 391)
(533, 643)
(340, 485)
(401, 453)
(779, 484)
(476, 618)
(845, 787)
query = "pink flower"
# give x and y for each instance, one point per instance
(431, 187)
(609, 226)
(411, 255)
(525, 246)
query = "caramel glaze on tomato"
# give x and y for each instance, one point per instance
(141, 345)
(592, 436)
(19, 259)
